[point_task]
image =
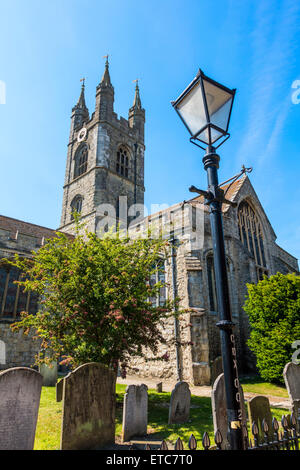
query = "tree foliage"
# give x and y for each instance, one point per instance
(273, 307)
(95, 297)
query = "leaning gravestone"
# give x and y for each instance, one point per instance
(89, 404)
(259, 410)
(135, 411)
(20, 392)
(219, 409)
(179, 409)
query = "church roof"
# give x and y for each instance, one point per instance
(15, 226)
(230, 191)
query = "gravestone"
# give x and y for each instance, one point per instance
(2, 352)
(216, 369)
(49, 374)
(59, 390)
(159, 387)
(259, 409)
(219, 409)
(89, 405)
(20, 392)
(179, 409)
(296, 411)
(135, 411)
(291, 375)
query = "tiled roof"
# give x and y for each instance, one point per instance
(230, 191)
(15, 226)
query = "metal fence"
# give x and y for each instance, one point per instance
(285, 437)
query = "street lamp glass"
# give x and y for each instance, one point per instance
(205, 108)
(192, 109)
(219, 104)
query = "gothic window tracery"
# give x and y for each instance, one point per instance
(81, 160)
(122, 164)
(76, 205)
(251, 235)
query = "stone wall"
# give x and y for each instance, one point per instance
(20, 349)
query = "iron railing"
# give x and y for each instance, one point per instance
(286, 438)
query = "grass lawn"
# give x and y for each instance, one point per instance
(257, 385)
(49, 420)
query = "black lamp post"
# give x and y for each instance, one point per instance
(205, 109)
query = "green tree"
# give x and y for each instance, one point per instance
(95, 298)
(273, 307)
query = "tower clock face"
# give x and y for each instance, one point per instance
(82, 135)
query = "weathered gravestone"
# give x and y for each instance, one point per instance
(135, 411)
(219, 409)
(159, 387)
(291, 375)
(20, 392)
(59, 390)
(259, 410)
(89, 404)
(49, 374)
(216, 369)
(179, 409)
(2, 352)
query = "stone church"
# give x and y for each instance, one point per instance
(104, 182)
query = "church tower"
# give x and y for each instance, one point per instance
(104, 177)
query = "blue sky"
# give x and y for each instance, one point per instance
(253, 45)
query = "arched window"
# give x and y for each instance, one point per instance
(251, 235)
(122, 165)
(76, 205)
(13, 298)
(81, 159)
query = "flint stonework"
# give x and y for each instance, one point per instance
(88, 408)
(259, 409)
(20, 391)
(135, 412)
(219, 409)
(179, 409)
